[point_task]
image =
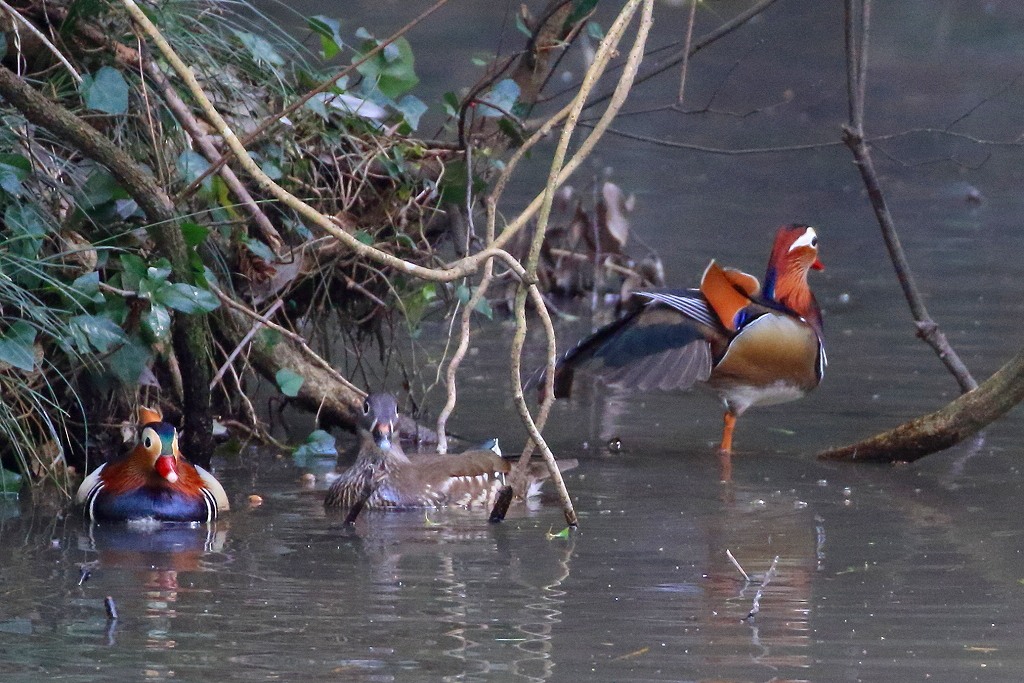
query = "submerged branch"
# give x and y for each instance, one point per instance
(946, 427)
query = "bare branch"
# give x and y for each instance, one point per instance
(853, 135)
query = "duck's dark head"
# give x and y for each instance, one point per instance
(380, 415)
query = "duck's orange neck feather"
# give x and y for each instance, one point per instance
(134, 472)
(793, 292)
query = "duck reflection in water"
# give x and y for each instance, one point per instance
(158, 555)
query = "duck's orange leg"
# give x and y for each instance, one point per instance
(727, 429)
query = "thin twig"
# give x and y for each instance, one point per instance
(686, 52)
(736, 563)
(210, 153)
(273, 120)
(265, 321)
(257, 326)
(42, 37)
(856, 32)
(768, 576)
(702, 42)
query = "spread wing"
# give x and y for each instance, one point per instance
(668, 344)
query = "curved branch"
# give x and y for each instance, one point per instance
(959, 419)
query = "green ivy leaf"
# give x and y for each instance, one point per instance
(105, 91)
(453, 185)
(260, 49)
(259, 249)
(99, 189)
(14, 168)
(289, 382)
(329, 31)
(416, 302)
(17, 345)
(129, 361)
(318, 444)
(392, 69)
(159, 271)
(270, 338)
(194, 233)
(86, 288)
(451, 104)
(191, 165)
(157, 322)
(133, 271)
(483, 306)
(580, 9)
(10, 482)
(411, 108)
(96, 331)
(27, 230)
(502, 98)
(186, 298)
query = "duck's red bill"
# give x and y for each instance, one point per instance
(167, 468)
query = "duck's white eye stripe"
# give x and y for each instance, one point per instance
(149, 438)
(808, 239)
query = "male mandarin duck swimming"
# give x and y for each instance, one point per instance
(154, 481)
(753, 345)
(397, 481)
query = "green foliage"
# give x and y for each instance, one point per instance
(580, 9)
(500, 100)
(95, 333)
(416, 302)
(105, 91)
(329, 31)
(88, 299)
(10, 482)
(261, 50)
(391, 70)
(318, 444)
(14, 168)
(289, 382)
(17, 346)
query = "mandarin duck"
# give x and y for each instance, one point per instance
(154, 481)
(383, 476)
(752, 345)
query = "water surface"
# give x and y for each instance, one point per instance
(884, 573)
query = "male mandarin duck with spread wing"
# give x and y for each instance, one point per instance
(383, 476)
(753, 345)
(154, 481)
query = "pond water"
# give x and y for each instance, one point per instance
(912, 572)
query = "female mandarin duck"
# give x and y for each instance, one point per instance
(752, 345)
(391, 479)
(154, 481)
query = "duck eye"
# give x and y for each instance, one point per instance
(814, 242)
(366, 407)
(147, 442)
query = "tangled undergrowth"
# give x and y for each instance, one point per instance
(91, 296)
